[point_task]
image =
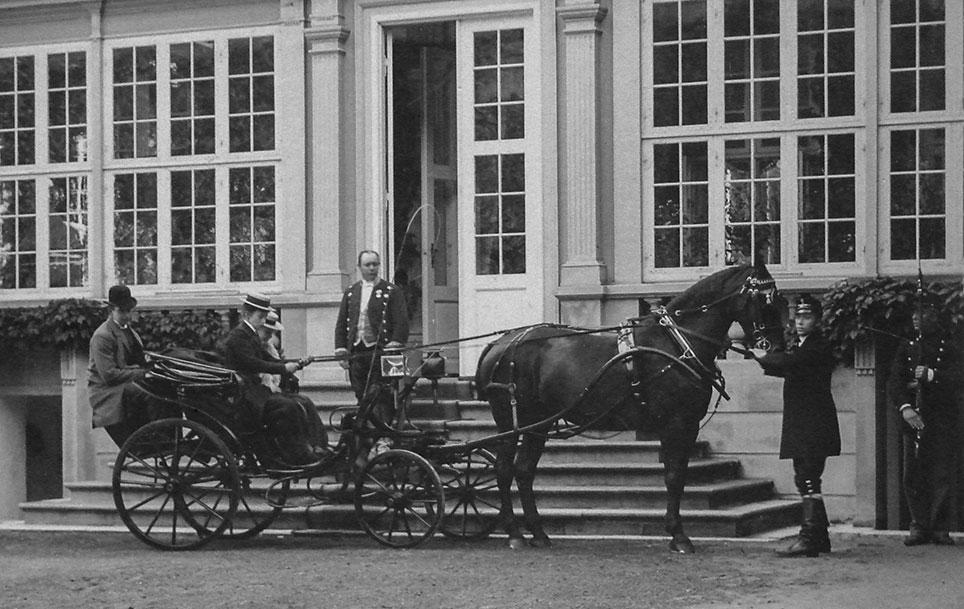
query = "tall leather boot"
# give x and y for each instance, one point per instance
(823, 525)
(287, 436)
(807, 542)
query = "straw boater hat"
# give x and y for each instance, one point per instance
(273, 322)
(257, 301)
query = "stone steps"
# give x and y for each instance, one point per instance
(607, 486)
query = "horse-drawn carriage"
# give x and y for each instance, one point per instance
(201, 472)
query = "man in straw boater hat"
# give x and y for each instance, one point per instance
(119, 405)
(810, 432)
(924, 386)
(282, 417)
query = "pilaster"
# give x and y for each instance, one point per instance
(79, 451)
(581, 33)
(329, 122)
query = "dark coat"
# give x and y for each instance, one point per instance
(940, 396)
(116, 359)
(243, 352)
(387, 312)
(810, 428)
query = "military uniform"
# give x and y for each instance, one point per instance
(931, 454)
(387, 322)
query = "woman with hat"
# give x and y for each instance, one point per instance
(811, 432)
(116, 363)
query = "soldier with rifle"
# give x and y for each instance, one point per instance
(924, 386)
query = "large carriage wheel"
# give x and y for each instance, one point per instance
(171, 476)
(253, 513)
(398, 498)
(470, 483)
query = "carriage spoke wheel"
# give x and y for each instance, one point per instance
(255, 513)
(175, 484)
(470, 495)
(398, 497)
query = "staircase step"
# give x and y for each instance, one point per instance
(468, 430)
(632, 474)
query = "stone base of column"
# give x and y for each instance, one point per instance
(326, 281)
(582, 313)
(582, 273)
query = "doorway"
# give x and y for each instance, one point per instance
(423, 198)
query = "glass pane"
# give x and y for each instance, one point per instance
(27, 235)
(903, 149)
(147, 229)
(767, 242)
(58, 233)
(903, 239)
(810, 149)
(738, 243)
(57, 145)
(513, 122)
(124, 229)
(840, 52)
(204, 97)
(57, 109)
(841, 201)
(124, 267)
(146, 101)
(513, 173)
(181, 137)
(146, 144)
(812, 199)
(665, 107)
(903, 47)
(514, 214)
(180, 61)
(486, 86)
(811, 242)
(240, 133)
(931, 90)
(240, 262)
(932, 10)
(695, 204)
(239, 186)
(932, 193)
(902, 11)
(666, 163)
(239, 221)
(903, 195)
(147, 267)
(665, 64)
(736, 100)
(840, 154)
(766, 56)
(146, 190)
(123, 103)
(931, 149)
(182, 225)
(264, 223)
(263, 184)
(204, 58)
(57, 71)
(264, 258)
(766, 201)
(487, 255)
(262, 54)
(181, 191)
(513, 84)
(667, 204)
(809, 15)
(768, 101)
(486, 48)
(204, 136)
(204, 187)
(903, 91)
(696, 246)
(239, 95)
(262, 94)
(513, 255)
(932, 45)
(766, 16)
(694, 162)
(123, 65)
(264, 132)
(181, 265)
(486, 123)
(737, 205)
(28, 271)
(146, 63)
(693, 19)
(239, 61)
(841, 96)
(736, 59)
(666, 247)
(694, 62)
(511, 49)
(840, 242)
(932, 238)
(7, 113)
(810, 54)
(840, 13)
(204, 266)
(487, 174)
(665, 22)
(204, 225)
(486, 215)
(736, 18)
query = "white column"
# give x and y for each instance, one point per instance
(330, 122)
(13, 458)
(79, 444)
(581, 40)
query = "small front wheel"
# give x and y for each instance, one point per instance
(399, 499)
(471, 508)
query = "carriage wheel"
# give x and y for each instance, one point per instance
(253, 514)
(169, 477)
(469, 482)
(397, 499)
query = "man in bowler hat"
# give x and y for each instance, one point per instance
(116, 363)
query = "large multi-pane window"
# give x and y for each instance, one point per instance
(68, 222)
(917, 56)
(18, 234)
(188, 213)
(679, 63)
(135, 102)
(17, 110)
(67, 107)
(917, 194)
(498, 106)
(749, 184)
(825, 58)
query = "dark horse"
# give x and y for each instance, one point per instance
(533, 374)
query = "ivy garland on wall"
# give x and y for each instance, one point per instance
(69, 323)
(861, 310)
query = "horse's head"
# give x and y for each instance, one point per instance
(761, 310)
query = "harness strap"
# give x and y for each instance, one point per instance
(625, 341)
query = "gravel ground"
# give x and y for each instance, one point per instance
(88, 570)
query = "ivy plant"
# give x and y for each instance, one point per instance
(858, 310)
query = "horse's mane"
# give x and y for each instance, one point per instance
(709, 288)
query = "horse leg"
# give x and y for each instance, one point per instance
(526, 462)
(677, 442)
(504, 472)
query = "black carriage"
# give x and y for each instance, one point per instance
(200, 470)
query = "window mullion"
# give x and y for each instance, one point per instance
(717, 193)
(221, 228)
(788, 63)
(789, 200)
(715, 65)
(41, 109)
(164, 228)
(163, 75)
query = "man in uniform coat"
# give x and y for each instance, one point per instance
(281, 416)
(810, 429)
(925, 386)
(373, 317)
(116, 362)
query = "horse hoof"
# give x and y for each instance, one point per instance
(540, 542)
(681, 545)
(517, 543)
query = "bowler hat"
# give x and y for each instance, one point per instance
(808, 305)
(120, 296)
(257, 301)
